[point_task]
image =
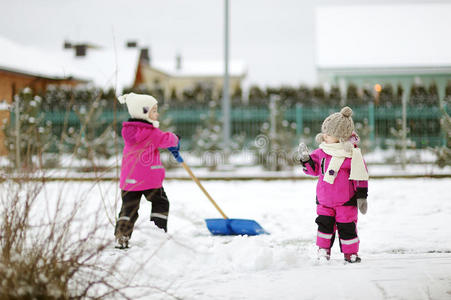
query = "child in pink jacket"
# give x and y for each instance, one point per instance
(342, 184)
(142, 172)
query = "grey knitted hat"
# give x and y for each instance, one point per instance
(339, 125)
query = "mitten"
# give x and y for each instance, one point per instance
(363, 205)
(175, 152)
(303, 152)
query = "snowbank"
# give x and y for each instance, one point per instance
(405, 244)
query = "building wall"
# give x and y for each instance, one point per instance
(4, 117)
(155, 79)
(12, 82)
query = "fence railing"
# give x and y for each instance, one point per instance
(378, 124)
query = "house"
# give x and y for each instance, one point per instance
(373, 45)
(22, 67)
(112, 67)
(117, 68)
(78, 64)
(175, 77)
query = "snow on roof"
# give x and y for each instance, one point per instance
(104, 68)
(29, 60)
(200, 68)
(412, 35)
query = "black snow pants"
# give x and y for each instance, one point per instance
(130, 206)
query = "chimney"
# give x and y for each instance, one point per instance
(178, 62)
(67, 45)
(132, 44)
(144, 55)
(80, 50)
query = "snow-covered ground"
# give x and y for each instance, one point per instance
(242, 165)
(405, 242)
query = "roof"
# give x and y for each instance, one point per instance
(106, 68)
(383, 36)
(103, 67)
(31, 61)
(200, 68)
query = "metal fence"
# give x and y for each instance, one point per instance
(378, 124)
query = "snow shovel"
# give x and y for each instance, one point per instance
(224, 226)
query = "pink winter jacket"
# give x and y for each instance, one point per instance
(141, 166)
(343, 189)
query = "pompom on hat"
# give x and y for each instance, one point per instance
(339, 125)
(139, 106)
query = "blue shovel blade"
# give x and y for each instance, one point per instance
(234, 227)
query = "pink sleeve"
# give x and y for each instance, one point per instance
(361, 184)
(167, 139)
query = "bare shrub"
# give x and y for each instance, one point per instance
(56, 257)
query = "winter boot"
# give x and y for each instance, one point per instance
(352, 258)
(323, 254)
(122, 242)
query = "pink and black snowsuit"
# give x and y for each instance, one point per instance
(336, 203)
(141, 165)
(142, 174)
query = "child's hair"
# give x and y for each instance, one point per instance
(340, 126)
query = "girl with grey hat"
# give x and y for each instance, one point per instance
(342, 184)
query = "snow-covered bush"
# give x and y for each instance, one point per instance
(27, 134)
(166, 125)
(80, 128)
(397, 141)
(95, 138)
(274, 147)
(51, 257)
(444, 153)
(209, 139)
(363, 130)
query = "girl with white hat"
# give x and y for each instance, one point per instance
(141, 171)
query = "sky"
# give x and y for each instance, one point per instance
(275, 39)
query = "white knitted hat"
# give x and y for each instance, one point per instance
(339, 125)
(139, 106)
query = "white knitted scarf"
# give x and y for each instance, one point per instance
(338, 153)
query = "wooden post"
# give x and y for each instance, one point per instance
(17, 125)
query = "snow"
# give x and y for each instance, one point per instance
(421, 163)
(405, 242)
(4, 105)
(383, 35)
(104, 67)
(30, 60)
